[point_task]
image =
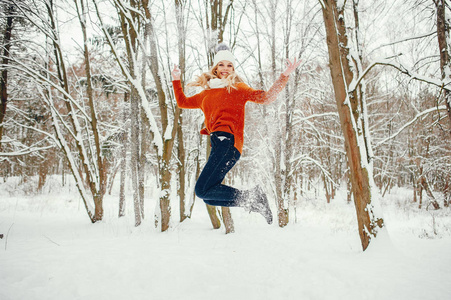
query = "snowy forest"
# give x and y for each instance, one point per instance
(89, 127)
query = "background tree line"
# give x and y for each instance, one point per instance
(86, 91)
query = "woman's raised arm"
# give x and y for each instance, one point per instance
(175, 73)
(291, 66)
(182, 100)
(263, 97)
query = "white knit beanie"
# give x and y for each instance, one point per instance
(223, 53)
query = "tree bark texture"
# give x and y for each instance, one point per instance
(101, 166)
(443, 31)
(215, 221)
(219, 17)
(135, 152)
(348, 104)
(123, 165)
(85, 167)
(212, 211)
(181, 166)
(168, 143)
(4, 74)
(228, 221)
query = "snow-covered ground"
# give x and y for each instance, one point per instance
(50, 250)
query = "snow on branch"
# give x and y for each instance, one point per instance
(419, 115)
(341, 4)
(385, 62)
(29, 12)
(299, 120)
(405, 40)
(301, 158)
(40, 76)
(127, 9)
(29, 150)
(131, 78)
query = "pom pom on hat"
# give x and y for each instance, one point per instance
(221, 46)
(223, 53)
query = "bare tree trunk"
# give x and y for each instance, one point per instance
(282, 212)
(212, 211)
(101, 163)
(279, 163)
(217, 22)
(348, 109)
(273, 11)
(88, 168)
(289, 108)
(446, 191)
(348, 186)
(181, 170)
(420, 194)
(123, 159)
(415, 190)
(144, 147)
(135, 152)
(123, 167)
(443, 36)
(4, 74)
(43, 172)
(130, 18)
(218, 18)
(144, 129)
(259, 56)
(168, 143)
(228, 221)
(131, 43)
(197, 159)
(425, 185)
(181, 166)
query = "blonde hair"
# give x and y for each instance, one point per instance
(205, 77)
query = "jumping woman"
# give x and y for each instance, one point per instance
(222, 101)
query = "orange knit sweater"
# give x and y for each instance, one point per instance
(224, 111)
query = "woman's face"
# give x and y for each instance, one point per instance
(225, 68)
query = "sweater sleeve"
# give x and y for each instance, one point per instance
(262, 97)
(182, 100)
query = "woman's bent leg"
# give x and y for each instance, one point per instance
(222, 158)
(209, 185)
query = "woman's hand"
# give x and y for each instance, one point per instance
(291, 66)
(176, 73)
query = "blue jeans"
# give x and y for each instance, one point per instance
(223, 157)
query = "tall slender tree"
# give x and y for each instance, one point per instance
(443, 9)
(351, 109)
(180, 8)
(9, 10)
